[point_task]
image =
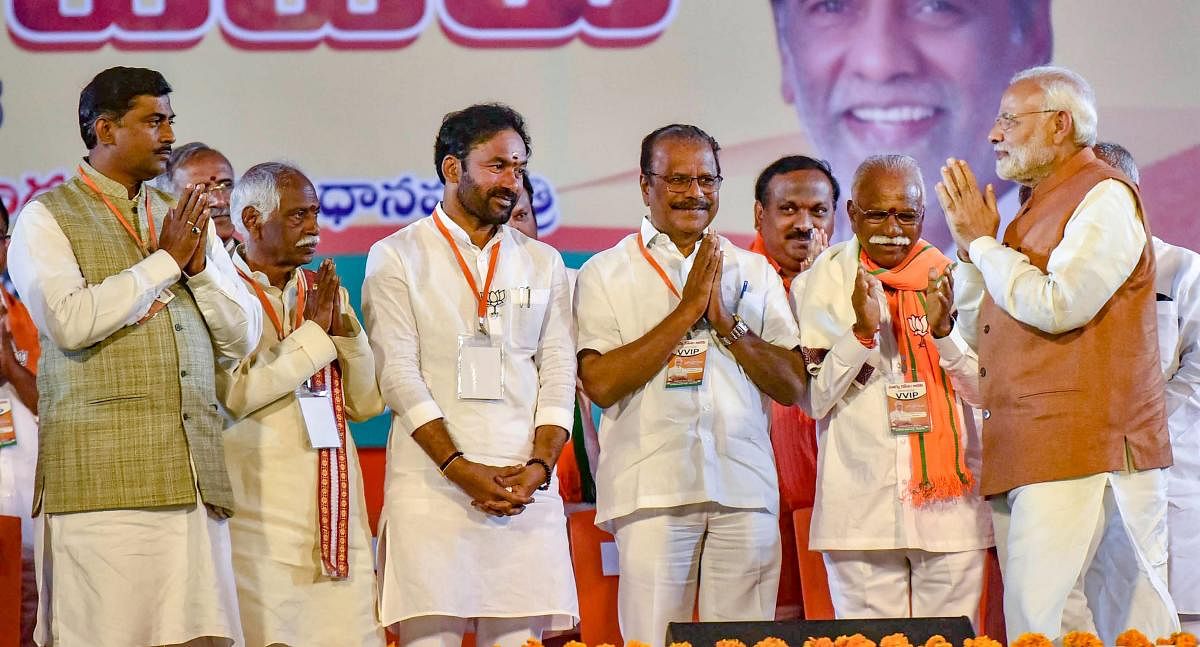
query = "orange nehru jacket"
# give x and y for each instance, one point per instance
(1062, 406)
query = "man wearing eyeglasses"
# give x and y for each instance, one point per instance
(898, 514)
(683, 337)
(1075, 429)
(196, 163)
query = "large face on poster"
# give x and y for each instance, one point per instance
(353, 91)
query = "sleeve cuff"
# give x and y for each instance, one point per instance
(160, 268)
(981, 246)
(555, 416)
(317, 345)
(419, 414)
(351, 347)
(951, 348)
(850, 352)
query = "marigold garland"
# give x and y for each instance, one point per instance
(1133, 638)
(818, 642)
(730, 642)
(938, 640)
(679, 644)
(1081, 639)
(771, 641)
(895, 640)
(1179, 639)
(857, 640)
(1032, 640)
(981, 641)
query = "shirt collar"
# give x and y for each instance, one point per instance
(239, 262)
(652, 237)
(107, 185)
(459, 234)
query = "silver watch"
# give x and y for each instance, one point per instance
(739, 330)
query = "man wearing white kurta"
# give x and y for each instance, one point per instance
(302, 553)
(891, 550)
(682, 338)
(133, 300)
(1075, 434)
(470, 322)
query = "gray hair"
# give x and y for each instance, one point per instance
(1117, 156)
(893, 163)
(259, 188)
(1065, 90)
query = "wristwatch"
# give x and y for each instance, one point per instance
(739, 330)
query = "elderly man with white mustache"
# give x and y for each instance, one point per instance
(898, 514)
(1075, 426)
(301, 544)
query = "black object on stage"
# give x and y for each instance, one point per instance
(795, 632)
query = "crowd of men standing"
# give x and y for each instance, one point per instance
(196, 483)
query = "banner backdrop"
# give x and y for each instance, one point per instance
(353, 92)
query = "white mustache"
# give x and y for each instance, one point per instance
(890, 240)
(309, 241)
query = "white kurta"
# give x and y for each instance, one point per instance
(100, 573)
(1101, 245)
(284, 596)
(437, 554)
(863, 469)
(17, 465)
(717, 429)
(1178, 280)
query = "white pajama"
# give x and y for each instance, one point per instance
(730, 555)
(1047, 535)
(447, 631)
(905, 583)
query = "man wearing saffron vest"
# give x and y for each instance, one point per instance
(134, 300)
(795, 199)
(1075, 434)
(898, 514)
(470, 322)
(301, 542)
(682, 339)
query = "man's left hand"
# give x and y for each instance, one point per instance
(969, 213)
(525, 482)
(717, 314)
(939, 302)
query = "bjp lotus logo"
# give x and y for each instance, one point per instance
(919, 325)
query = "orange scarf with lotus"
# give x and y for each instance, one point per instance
(939, 469)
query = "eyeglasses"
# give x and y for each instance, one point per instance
(681, 183)
(1008, 120)
(878, 217)
(224, 186)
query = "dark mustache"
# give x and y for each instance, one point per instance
(692, 203)
(800, 234)
(164, 149)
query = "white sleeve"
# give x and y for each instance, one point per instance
(392, 330)
(1101, 245)
(233, 315)
(266, 376)
(1184, 385)
(555, 357)
(962, 364)
(72, 313)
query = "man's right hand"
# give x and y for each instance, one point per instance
(866, 306)
(481, 483)
(177, 237)
(323, 298)
(696, 292)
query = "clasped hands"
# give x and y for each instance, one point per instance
(185, 229)
(939, 303)
(970, 213)
(701, 296)
(497, 491)
(323, 304)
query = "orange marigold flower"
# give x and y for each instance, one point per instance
(937, 640)
(638, 643)
(981, 641)
(771, 641)
(857, 640)
(532, 642)
(679, 644)
(729, 642)
(895, 640)
(818, 642)
(606, 645)
(1133, 638)
(1032, 640)
(1081, 639)
(576, 643)
(1179, 639)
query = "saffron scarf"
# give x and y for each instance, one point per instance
(759, 246)
(939, 469)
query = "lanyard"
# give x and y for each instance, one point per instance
(480, 297)
(662, 274)
(301, 295)
(125, 223)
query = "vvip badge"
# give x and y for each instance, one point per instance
(908, 408)
(686, 366)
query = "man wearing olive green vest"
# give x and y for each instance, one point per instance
(134, 300)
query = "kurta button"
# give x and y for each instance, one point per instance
(178, 326)
(982, 372)
(987, 414)
(185, 416)
(182, 373)
(987, 328)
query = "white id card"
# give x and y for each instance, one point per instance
(320, 422)
(480, 368)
